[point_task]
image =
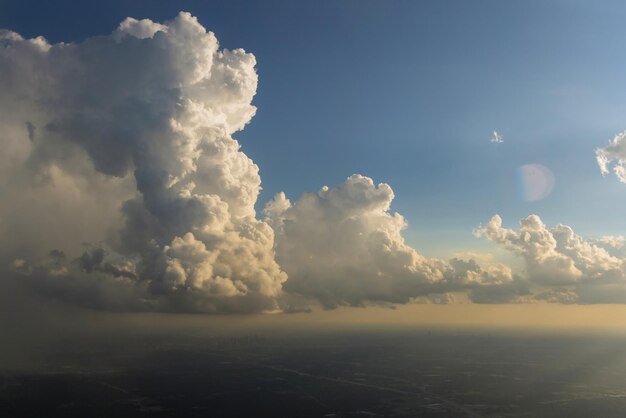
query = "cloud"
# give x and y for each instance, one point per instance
(558, 295)
(573, 268)
(435, 299)
(125, 141)
(537, 245)
(343, 246)
(124, 189)
(497, 138)
(613, 155)
(612, 244)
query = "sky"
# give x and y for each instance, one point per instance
(367, 173)
(409, 93)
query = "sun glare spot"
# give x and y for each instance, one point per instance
(536, 182)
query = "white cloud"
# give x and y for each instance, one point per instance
(342, 246)
(613, 154)
(140, 29)
(580, 270)
(497, 138)
(537, 245)
(125, 141)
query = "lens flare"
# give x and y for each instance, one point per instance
(535, 182)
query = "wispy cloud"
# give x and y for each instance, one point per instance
(497, 138)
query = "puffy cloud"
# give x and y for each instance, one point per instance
(140, 29)
(614, 154)
(613, 244)
(609, 241)
(580, 270)
(126, 141)
(537, 245)
(555, 256)
(342, 246)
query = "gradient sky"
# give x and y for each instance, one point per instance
(408, 93)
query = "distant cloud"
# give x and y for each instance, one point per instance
(613, 155)
(613, 244)
(124, 142)
(128, 145)
(576, 269)
(435, 299)
(496, 138)
(558, 295)
(342, 246)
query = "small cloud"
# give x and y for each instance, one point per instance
(613, 155)
(497, 138)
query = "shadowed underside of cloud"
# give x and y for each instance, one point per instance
(123, 189)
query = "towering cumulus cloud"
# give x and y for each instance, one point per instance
(342, 246)
(124, 141)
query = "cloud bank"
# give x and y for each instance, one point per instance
(124, 189)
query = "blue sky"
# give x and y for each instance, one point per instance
(408, 93)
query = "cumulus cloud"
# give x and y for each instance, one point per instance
(124, 189)
(613, 155)
(610, 241)
(576, 269)
(613, 244)
(537, 245)
(125, 141)
(343, 246)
